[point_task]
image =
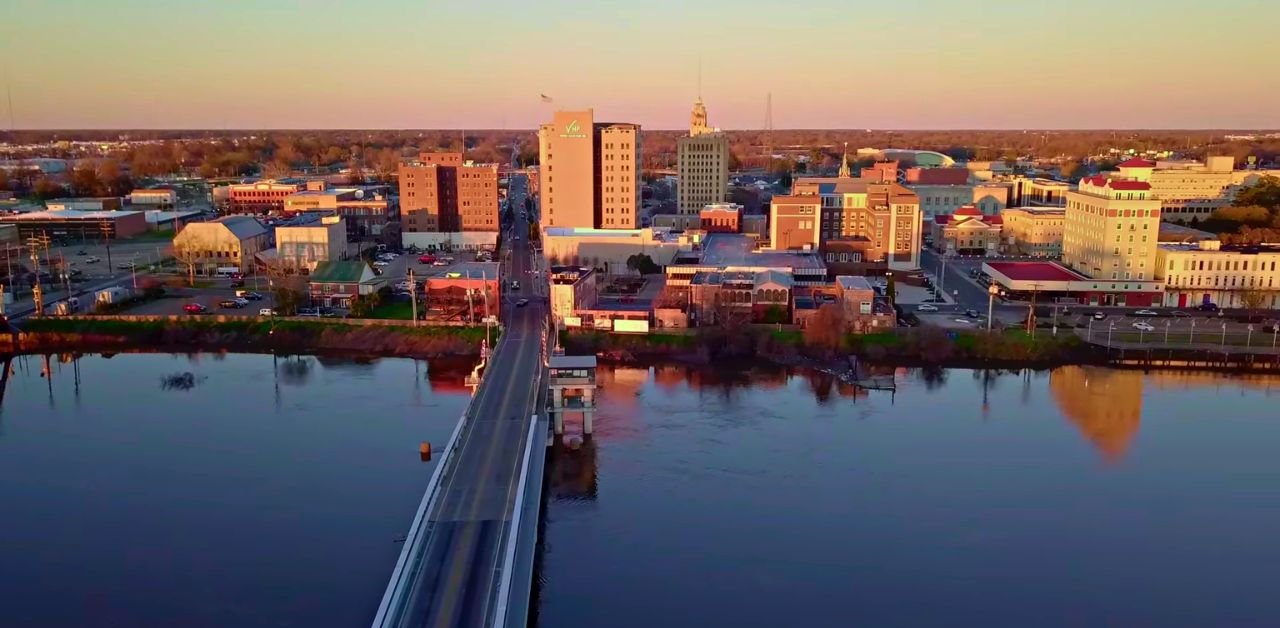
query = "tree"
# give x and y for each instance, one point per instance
(1253, 299)
(189, 252)
(84, 181)
(46, 188)
(4, 179)
(1265, 193)
(1071, 169)
(825, 330)
(642, 264)
(891, 290)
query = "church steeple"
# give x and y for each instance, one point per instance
(844, 163)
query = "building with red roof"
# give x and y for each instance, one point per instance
(966, 232)
(1112, 227)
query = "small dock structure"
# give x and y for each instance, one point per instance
(572, 386)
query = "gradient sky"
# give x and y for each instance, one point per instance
(901, 64)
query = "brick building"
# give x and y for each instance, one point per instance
(440, 192)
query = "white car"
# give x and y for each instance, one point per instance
(241, 301)
(1146, 313)
(381, 263)
(266, 311)
(92, 259)
(1141, 326)
(925, 307)
(963, 320)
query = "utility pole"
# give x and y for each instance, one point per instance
(33, 243)
(105, 227)
(413, 297)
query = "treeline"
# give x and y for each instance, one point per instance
(1253, 218)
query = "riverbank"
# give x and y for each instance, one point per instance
(905, 347)
(48, 335)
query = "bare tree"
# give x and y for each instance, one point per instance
(190, 251)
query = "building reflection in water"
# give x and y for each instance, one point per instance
(573, 472)
(1104, 404)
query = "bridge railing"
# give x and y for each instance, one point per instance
(406, 571)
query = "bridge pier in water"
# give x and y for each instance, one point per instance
(571, 382)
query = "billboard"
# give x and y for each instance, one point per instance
(623, 326)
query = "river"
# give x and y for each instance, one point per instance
(272, 492)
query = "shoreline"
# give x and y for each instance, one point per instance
(913, 348)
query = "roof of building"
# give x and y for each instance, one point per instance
(733, 249)
(801, 199)
(1046, 210)
(157, 216)
(71, 215)
(338, 272)
(1116, 184)
(1170, 232)
(968, 210)
(1137, 162)
(242, 227)
(777, 277)
(572, 362)
(1035, 271)
(468, 270)
(853, 282)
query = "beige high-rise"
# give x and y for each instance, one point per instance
(702, 164)
(1112, 227)
(589, 172)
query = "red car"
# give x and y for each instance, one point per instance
(427, 259)
(195, 308)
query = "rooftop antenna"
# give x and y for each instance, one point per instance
(768, 129)
(699, 77)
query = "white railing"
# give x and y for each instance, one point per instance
(513, 536)
(406, 568)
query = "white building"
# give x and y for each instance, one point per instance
(702, 164)
(301, 247)
(154, 199)
(1239, 277)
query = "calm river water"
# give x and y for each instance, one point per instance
(259, 492)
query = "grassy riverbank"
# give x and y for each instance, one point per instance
(908, 346)
(59, 334)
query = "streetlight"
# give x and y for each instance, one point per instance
(1248, 340)
(1090, 329)
(992, 290)
(1110, 328)
(1192, 339)
(1224, 334)
(1166, 332)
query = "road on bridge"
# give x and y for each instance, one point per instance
(460, 571)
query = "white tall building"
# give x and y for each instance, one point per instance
(1112, 227)
(703, 164)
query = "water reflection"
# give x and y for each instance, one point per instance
(573, 471)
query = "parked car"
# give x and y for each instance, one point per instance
(381, 263)
(232, 304)
(439, 262)
(92, 259)
(426, 259)
(82, 252)
(267, 311)
(972, 314)
(1180, 314)
(522, 302)
(248, 294)
(195, 308)
(963, 320)
(1146, 313)
(125, 266)
(925, 307)
(237, 283)
(1142, 326)
(309, 311)
(1098, 316)
(1207, 307)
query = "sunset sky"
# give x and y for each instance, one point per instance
(902, 64)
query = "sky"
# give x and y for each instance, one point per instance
(850, 64)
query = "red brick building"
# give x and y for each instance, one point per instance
(721, 218)
(938, 176)
(794, 222)
(440, 192)
(261, 197)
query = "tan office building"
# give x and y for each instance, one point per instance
(589, 172)
(1186, 190)
(1034, 231)
(702, 164)
(300, 247)
(1111, 229)
(875, 222)
(794, 222)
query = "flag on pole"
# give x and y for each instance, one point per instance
(545, 98)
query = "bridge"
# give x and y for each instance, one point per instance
(468, 557)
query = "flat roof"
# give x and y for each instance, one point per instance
(1036, 271)
(853, 282)
(732, 249)
(573, 362)
(609, 233)
(70, 215)
(468, 270)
